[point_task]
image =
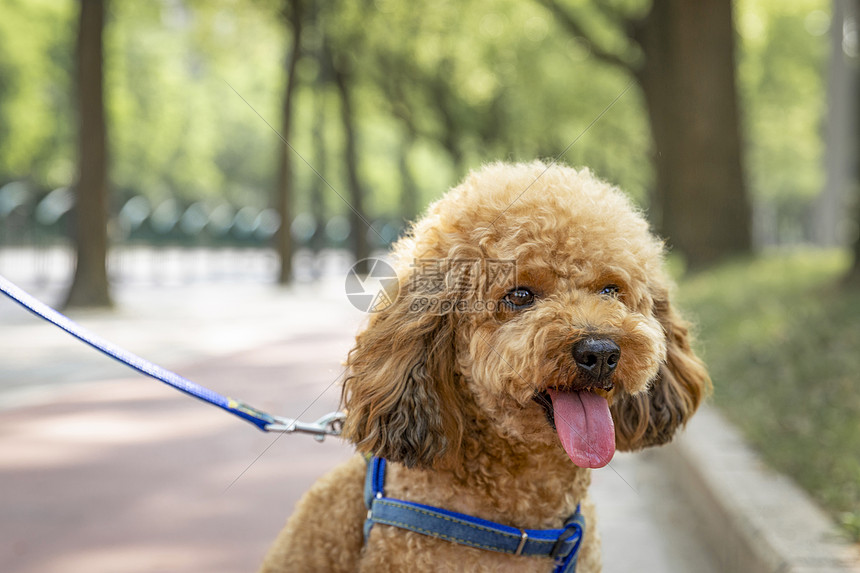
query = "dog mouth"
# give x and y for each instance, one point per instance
(583, 422)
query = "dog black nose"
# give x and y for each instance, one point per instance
(597, 356)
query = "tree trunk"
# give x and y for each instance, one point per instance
(853, 277)
(408, 188)
(90, 283)
(688, 81)
(318, 189)
(841, 133)
(284, 185)
(359, 224)
(854, 273)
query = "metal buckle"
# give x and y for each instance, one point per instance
(564, 539)
(328, 425)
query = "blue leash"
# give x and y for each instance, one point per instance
(328, 425)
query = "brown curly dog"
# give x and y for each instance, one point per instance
(532, 336)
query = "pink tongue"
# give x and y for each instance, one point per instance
(585, 427)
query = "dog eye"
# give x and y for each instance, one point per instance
(519, 298)
(610, 290)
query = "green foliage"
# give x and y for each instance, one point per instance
(782, 70)
(780, 338)
(447, 84)
(177, 127)
(472, 82)
(36, 91)
(482, 82)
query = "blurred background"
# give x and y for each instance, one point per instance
(185, 147)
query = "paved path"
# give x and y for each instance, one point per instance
(105, 471)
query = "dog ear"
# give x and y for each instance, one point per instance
(401, 395)
(651, 418)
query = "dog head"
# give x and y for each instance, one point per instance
(532, 297)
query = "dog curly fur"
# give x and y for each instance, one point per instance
(451, 396)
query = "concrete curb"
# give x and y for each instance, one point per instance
(755, 519)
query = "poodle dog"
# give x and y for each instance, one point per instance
(531, 337)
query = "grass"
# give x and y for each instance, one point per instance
(781, 337)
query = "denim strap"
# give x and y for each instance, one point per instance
(560, 544)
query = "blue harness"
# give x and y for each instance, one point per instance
(560, 544)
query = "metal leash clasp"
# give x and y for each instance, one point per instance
(329, 425)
